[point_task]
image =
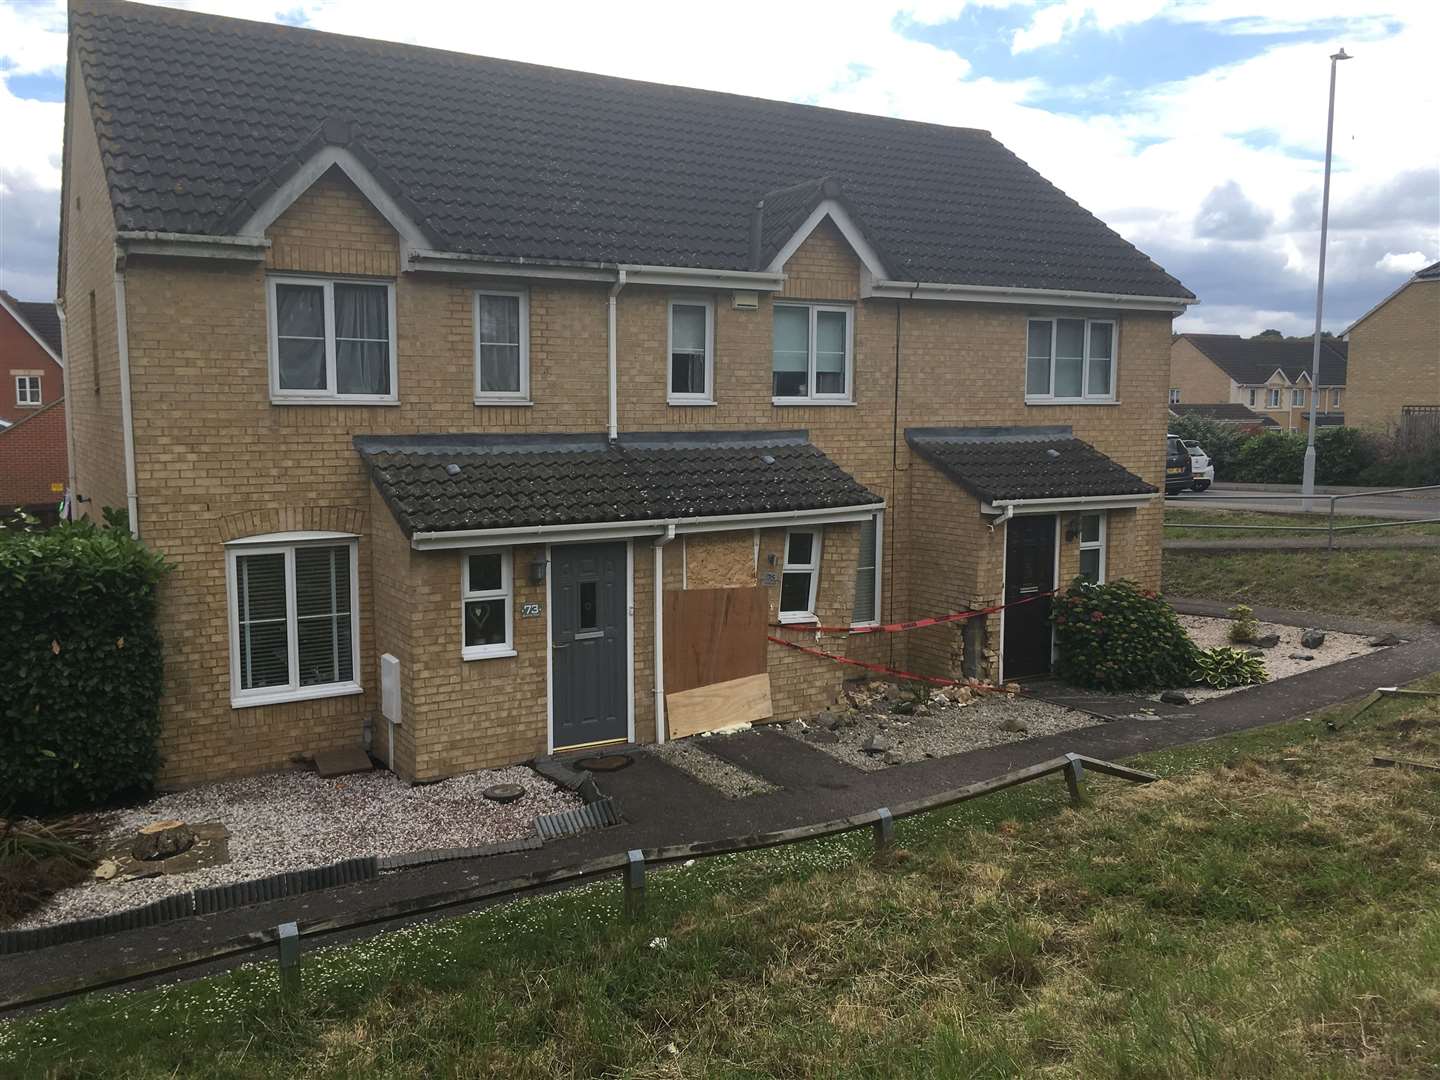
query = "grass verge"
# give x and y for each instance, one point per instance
(1176, 519)
(1271, 909)
(1391, 586)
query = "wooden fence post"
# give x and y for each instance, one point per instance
(635, 883)
(288, 938)
(1074, 773)
(884, 830)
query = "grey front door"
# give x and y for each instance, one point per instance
(589, 643)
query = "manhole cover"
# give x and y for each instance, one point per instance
(503, 793)
(608, 763)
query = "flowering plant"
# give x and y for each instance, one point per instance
(1118, 636)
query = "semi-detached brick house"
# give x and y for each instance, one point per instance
(1270, 376)
(33, 467)
(451, 374)
(1395, 359)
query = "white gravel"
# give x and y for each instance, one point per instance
(730, 780)
(296, 820)
(1208, 632)
(953, 729)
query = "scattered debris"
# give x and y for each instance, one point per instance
(1302, 656)
(878, 744)
(1390, 763)
(161, 840)
(1174, 697)
(1014, 723)
(1385, 641)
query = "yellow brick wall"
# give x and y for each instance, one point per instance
(212, 446)
(1395, 358)
(1199, 379)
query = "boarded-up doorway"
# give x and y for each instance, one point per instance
(716, 675)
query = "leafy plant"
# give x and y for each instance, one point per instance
(1245, 628)
(80, 660)
(1224, 667)
(1118, 636)
(32, 841)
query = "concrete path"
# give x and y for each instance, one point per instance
(1307, 542)
(1407, 507)
(662, 805)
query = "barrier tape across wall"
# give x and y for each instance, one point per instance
(913, 624)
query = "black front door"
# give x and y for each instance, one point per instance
(1029, 571)
(588, 643)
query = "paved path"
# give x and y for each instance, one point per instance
(1409, 507)
(662, 805)
(1310, 542)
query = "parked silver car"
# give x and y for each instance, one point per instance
(1201, 466)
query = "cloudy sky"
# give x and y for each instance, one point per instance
(1196, 128)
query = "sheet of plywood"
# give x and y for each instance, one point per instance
(719, 705)
(714, 636)
(723, 560)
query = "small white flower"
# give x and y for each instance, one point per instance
(659, 943)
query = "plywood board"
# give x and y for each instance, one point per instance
(713, 636)
(719, 705)
(724, 560)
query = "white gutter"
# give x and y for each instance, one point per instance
(753, 280)
(925, 290)
(1077, 502)
(127, 418)
(614, 393)
(192, 245)
(660, 543)
(1003, 518)
(70, 493)
(463, 538)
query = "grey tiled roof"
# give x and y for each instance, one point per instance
(1024, 463)
(1251, 361)
(1429, 272)
(501, 481)
(199, 116)
(1226, 412)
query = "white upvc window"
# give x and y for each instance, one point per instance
(502, 347)
(1335, 398)
(1297, 397)
(1174, 395)
(800, 579)
(294, 619)
(812, 358)
(1070, 360)
(331, 340)
(866, 611)
(1273, 398)
(1092, 546)
(691, 378)
(27, 389)
(487, 604)
(1252, 393)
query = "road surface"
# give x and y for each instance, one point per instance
(1413, 507)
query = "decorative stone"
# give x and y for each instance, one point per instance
(1267, 641)
(1014, 723)
(1255, 652)
(107, 869)
(1301, 656)
(903, 708)
(1174, 697)
(878, 744)
(1312, 638)
(161, 840)
(504, 793)
(822, 735)
(892, 757)
(1385, 641)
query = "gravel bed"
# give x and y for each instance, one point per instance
(296, 820)
(730, 780)
(1208, 632)
(952, 729)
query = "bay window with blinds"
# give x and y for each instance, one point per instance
(294, 619)
(331, 341)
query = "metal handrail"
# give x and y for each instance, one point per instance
(1330, 528)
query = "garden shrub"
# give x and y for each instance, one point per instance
(1272, 458)
(1224, 667)
(1342, 454)
(1246, 628)
(1118, 636)
(80, 660)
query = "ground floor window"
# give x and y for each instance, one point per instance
(800, 579)
(487, 597)
(294, 620)
(867, 573)
(1092, 546)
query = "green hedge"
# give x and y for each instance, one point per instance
(1343, 456)
(1118, 636)
(80, 661)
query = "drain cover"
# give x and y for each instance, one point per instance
(503, 793)
(607, 763)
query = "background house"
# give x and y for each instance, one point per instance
(33, 463)
(1229, 413)
(1268, 374)
(1395, 359)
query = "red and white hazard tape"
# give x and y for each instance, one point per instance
(914, 624)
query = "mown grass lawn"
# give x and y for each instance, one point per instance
(1176, 518)
(1395, 586)
(1272, 908)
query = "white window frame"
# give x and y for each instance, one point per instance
(1085, 398)
(1174, 393)
(1097, 544)
(23, 386)
(707, 397)
(505, 592)
(504, 397)
(287, 544)
(1297, 398)
(879, 563)
(328, 396)
(1335, 393)
(1252, 399)
(812, 568)
(813, 398)
(1272, 398)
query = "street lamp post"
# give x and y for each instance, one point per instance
(1307, 487)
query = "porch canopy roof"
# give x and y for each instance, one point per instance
(1045, 465)
(480, 483)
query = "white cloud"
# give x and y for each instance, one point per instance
(1406, 262)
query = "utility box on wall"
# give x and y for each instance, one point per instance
(390, 688)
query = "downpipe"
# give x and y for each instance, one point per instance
(660, 542)
(614, 391)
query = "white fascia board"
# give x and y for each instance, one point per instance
(700, 278)
(1055, 506)
(324, 159)
(1000, 294)
(15, 314)
(459, 262)
(581, 533)
(831, 208)
(193, 245)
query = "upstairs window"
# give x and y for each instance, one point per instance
(502, 348)
(27, 389)
(1335, 398)
(811, 359)
(691, 350)
(800, 580)
(1273, 398)
(1070, 360)
(1174, 395)
(1297, 397)
(331, 340)
(1251, 392)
